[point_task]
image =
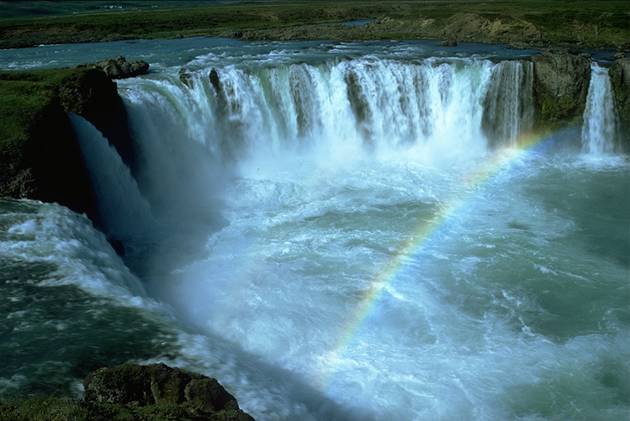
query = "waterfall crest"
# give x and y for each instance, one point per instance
(365, 104)
(599, 129)
(509, 105)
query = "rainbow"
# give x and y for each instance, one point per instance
(484, 173)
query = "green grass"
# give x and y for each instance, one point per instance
(24, 94)
(590, 23)
(42, 409)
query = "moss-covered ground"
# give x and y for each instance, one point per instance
(23, 95)
(582, 23)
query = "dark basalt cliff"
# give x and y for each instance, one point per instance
(620, 81)
(561, 83)
(39, 154)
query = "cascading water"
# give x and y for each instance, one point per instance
(599, 129)
(508, 107)
(333, 107)
(345, 232)
(125, 213)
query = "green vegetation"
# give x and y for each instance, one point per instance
(38, 153)
(24, 94)
(33, 8)
(585, 24)
(42, 409)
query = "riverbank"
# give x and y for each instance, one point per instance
(579, 24)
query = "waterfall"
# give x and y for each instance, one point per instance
(366, 105)
(508, 106)
(599, 129)
(121, 207)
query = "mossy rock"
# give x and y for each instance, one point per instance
(620, 82)
(132, 392)
(39, 153)
(561, 83)
(158, 390)
(39, 156)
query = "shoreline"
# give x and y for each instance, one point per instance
(583, 25)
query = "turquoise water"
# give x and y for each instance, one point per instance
(256, 238)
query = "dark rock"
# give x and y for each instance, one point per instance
(43, 160)
(214, 80)
(449, 43)
(620, 81)
(185, 77)
(120, 68)
(561, 83)
(92, 94)
(117, 245)
(160, 391)
(47, 165)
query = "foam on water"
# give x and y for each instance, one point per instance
(281, 187)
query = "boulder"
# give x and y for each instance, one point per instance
(159, 390)
(92, 94)
(620, 81)
(120, 68)
(131, 392)
(185, 77)
(214, 80)
(561, 83)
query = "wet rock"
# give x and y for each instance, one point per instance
(214, 80)
(131, 392)
(185, 77)
(561, 83)
(41, 159)
(620, 81)
(120, 68)
(92, 94)
(46, 164)
(154, 391)
(449, 43)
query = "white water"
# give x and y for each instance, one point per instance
(333, 110)
(293, 185)
(509, 108)
(599, 130)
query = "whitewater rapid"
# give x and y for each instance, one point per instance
(274, 187)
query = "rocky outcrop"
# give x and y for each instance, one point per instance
(185, 77)
(92, 94)
(160, 391)
(133, 392)
(39, 154)
(561, 83)
(474, 27)
(620, 80)
(46, 164)
(120, 68)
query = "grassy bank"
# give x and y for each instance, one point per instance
(585, 24)
(24, 95)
